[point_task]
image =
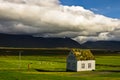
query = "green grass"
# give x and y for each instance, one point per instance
(53, 67)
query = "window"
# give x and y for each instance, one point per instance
(89, 65)
(83, 65)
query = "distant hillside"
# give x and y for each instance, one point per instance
(27, 41)
(111, 45)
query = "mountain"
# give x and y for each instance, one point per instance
(28, 41)
(110, 45)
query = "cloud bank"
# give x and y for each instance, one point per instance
(48, 18)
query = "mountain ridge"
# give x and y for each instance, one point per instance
(28, 41)
(110, 45)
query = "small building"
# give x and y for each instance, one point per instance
(80, 60)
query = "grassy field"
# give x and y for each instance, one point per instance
(51, 65)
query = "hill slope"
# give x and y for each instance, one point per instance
(27, 41)
(114, 45)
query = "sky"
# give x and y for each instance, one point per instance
(110, 8)
(80, 20)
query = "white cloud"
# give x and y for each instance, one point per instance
(35, 2)
(47, 18)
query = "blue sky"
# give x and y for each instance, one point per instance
(109, 8)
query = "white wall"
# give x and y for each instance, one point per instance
(86, 62)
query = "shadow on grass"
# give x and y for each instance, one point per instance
(41, 70)
(108, 65)
(116, 71)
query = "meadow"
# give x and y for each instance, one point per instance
(50, 64)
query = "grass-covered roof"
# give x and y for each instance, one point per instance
(83, 54)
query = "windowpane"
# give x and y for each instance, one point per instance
(89, 65)
(82, 65)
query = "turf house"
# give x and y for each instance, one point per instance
(80, 60)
